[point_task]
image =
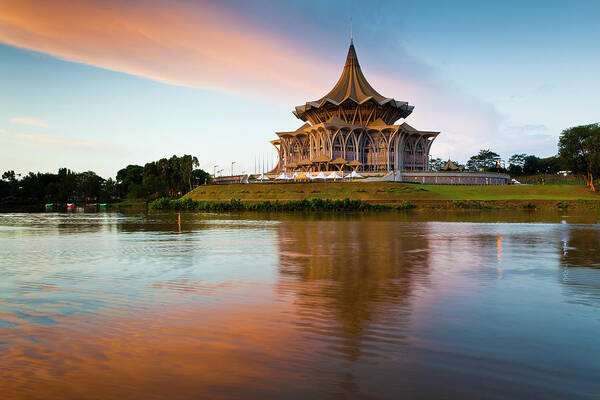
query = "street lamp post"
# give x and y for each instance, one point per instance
(233, 162)
(215, 171)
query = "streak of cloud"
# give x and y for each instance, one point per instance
(57, 141)
(29, 121)
(198, 45)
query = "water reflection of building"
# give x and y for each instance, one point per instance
(353, 280)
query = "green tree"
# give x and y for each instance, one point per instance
(532, 165)
(8, 184)
(435, 164)
(165, 173)
(485, 160)
(65, 185)
(154, 183)
(516, 163)
(551, 165)
(187, 164)
(88, 186)
(109, 191)
(175, 173)
(129, 178)
(579, 147)
(9, 176)
(200, 177)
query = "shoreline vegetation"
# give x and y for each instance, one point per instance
(377, 196)
(314, 204)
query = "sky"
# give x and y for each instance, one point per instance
(98, 85)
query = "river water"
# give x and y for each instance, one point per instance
(391, 305)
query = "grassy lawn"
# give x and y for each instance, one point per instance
(388, 192)
(515, 192)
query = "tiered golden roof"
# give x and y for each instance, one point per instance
(352, 90)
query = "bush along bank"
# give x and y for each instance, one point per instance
(290, 205)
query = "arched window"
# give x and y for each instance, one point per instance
(419, 156)
(350, 148)
(295, 156)
(337, 146)
(381, 154)
(407, 157)
(370, 154)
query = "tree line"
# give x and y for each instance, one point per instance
(518, 164)
(165, 177)
(578, 153)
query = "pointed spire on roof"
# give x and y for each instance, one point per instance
(352, 87)
(352, 83)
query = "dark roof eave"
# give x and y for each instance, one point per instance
(401, 105)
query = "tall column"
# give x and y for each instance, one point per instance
(388, 141)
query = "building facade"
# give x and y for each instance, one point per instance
(353, 126)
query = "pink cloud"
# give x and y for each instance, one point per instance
(199, 45)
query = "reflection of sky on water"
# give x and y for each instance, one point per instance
(297, 307)
(111, 262)
(523, 322)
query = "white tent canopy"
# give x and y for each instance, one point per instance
(283, 177)
(354, 175)
(320, 175)
(333, 175)
(262, 177)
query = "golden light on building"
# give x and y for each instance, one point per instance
(353, 126)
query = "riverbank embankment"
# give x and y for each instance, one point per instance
(402, 195)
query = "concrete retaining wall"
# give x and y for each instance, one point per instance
(451, 178)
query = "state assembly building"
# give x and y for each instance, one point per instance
(353, 126)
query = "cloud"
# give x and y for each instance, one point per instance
(529, 138)
(58, 141)
(63, 141)
(29, 121)
(199, 45)
(526, 129)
